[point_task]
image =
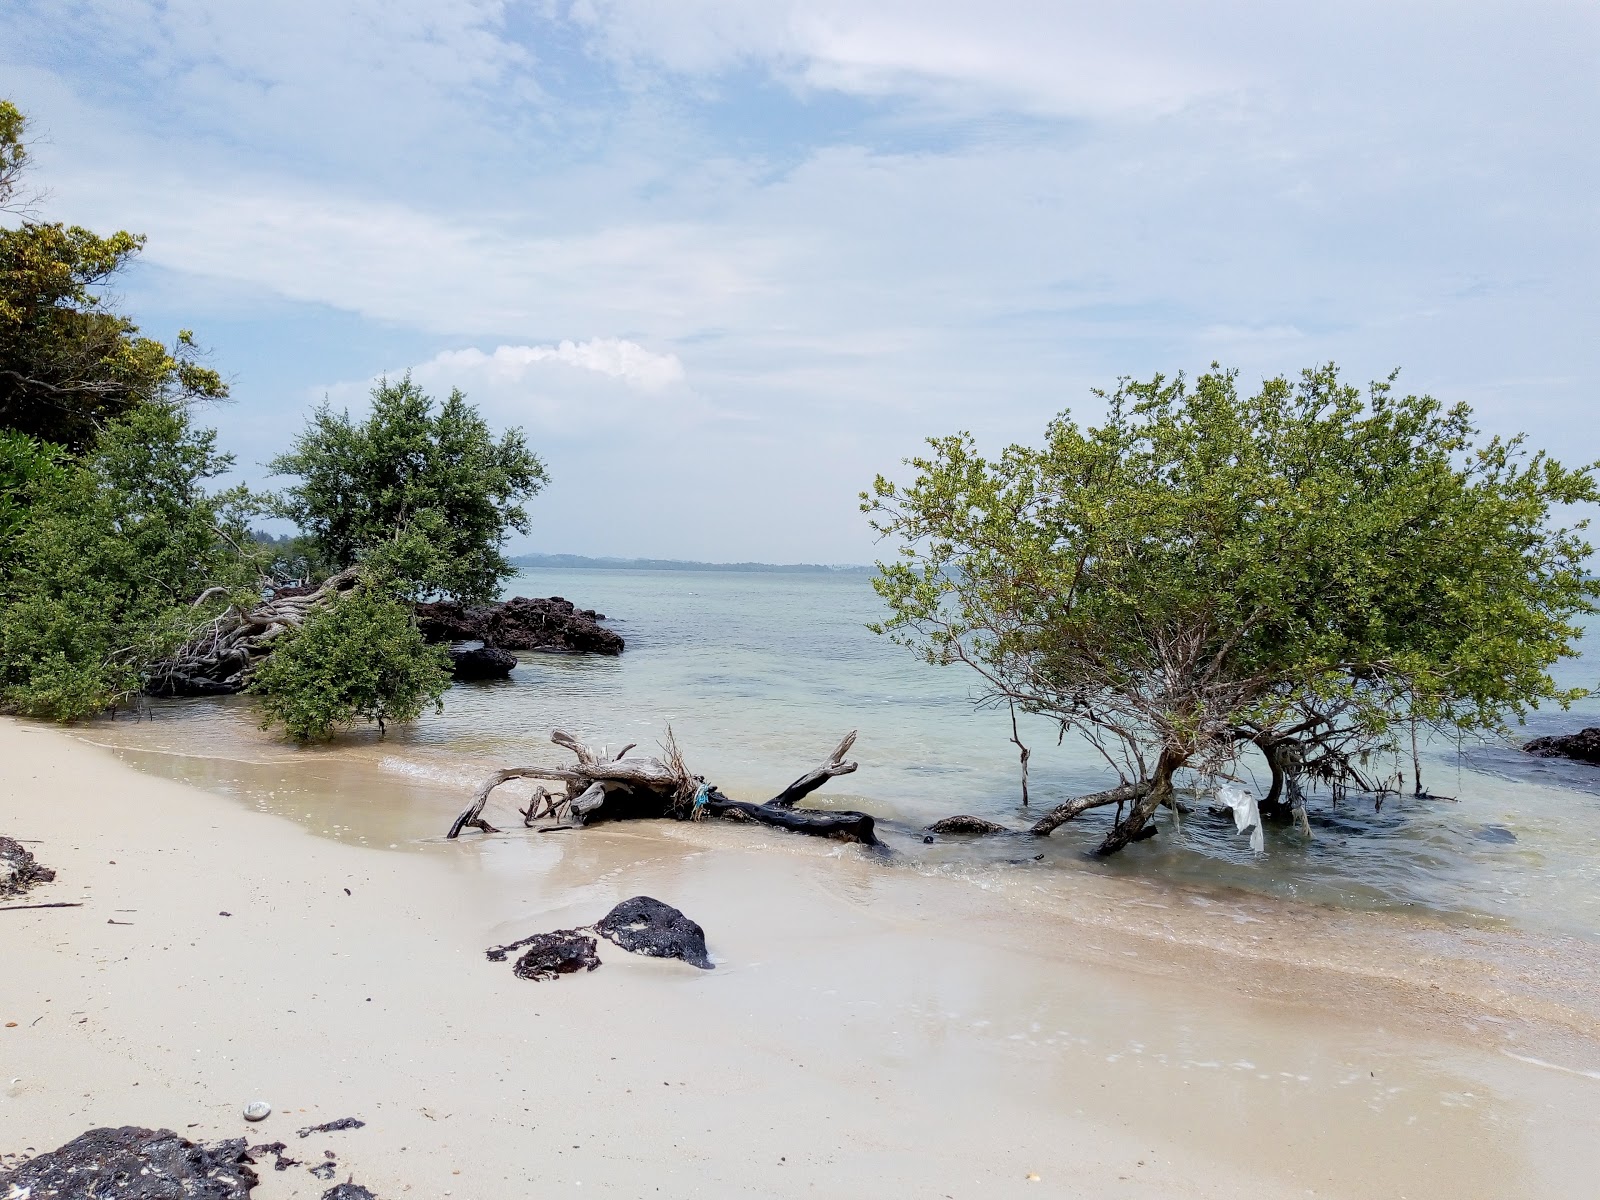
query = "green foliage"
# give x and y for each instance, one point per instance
(425, 497)
(28, 470)
(68, 362)
(360, 656)
(13, 150)
(107, 557)
(1205, 570)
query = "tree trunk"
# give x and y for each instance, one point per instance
(1133, 827)
(1063, 813)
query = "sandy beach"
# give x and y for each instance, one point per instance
(868, 1030)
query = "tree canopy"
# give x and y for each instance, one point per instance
(69, 363)
(1310, 570)
(426, 495)
(107, 558)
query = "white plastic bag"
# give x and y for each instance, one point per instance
(1246, 814)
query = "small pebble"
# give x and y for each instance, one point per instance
(257, 1110)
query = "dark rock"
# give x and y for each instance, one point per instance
(324, 1170)
(338, 1126)
(965, 824)
(521, 623)
(19, 870)
(348, 1191)
(644, 925)
(485, 662)
(131, 1163)
(550, 954)
(1583, 746)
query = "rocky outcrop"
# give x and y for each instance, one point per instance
(1583, 746)
(522, 623)
(131, 1163)
(485, 662)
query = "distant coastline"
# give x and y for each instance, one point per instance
(582, 563)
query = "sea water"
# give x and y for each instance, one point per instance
(758, 675)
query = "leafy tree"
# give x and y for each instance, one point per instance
(69, 363)
(428, 496)
(1308, 570)
(359, 656)
(28, 471)
(108, 557)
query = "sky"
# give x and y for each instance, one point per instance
(727, 260)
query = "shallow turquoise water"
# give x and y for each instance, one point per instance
(759, 675)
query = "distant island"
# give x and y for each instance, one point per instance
(582, 563)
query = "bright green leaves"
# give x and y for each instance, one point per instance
(1204, 566)
(358, 657)
(424, 497)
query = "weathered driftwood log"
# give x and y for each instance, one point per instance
(216, 659)
(606, 787)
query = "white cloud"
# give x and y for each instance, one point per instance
(1269, 184)
(617, 358)
(1042, 56)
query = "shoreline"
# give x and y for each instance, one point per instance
(959, 1035)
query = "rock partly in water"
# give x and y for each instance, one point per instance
(966, 824)
(644, 925)
(547, 955)
(484, 662)
(522, 623)
(131, 1163)
(19, 870)
(1583, 746)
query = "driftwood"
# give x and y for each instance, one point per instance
(1059, 815)
(601, 786)
(217, 658)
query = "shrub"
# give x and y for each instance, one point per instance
(360, 656)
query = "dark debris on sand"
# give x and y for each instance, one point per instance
(19, 870)
(641, 925)
(548, 955)
(644, 925)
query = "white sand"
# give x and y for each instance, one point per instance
(868, 1031)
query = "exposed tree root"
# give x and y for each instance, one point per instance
(217, 658)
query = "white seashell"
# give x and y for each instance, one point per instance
(257, 1110)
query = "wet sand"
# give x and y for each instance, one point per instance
(870, 1029)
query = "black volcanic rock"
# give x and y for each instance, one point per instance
(1583, 746)
(485, 662)
(644, 925)
(131, 1163)
(522, 623)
